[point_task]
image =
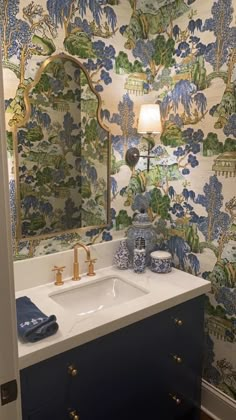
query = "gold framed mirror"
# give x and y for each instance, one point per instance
(62, 154)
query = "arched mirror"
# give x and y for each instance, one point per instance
(62, 153)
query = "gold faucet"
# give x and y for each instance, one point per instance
(89, 260)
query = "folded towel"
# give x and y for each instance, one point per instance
(32, 324)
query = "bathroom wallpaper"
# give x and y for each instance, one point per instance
(181, 54)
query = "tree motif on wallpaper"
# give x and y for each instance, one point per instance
(220, 52)
(78, 34)
(123, 65)
(189, 50)
(217, 53)
(215, 226)
(194, 53)
(150, 18)
(230, 127)
(217, 316)
(69, 15)
(152, 56)
(99, 66)
(216, 221)
(224, 272)
(25, 38)
(125, 119)
(184, 95)
(22, 39)
(212, 146)
(222, 16)
(219, 373)
(155, 54)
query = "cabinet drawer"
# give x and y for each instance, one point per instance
(176, 328)
(182, 320)
(183, 410)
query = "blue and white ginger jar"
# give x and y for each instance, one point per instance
(142, 227)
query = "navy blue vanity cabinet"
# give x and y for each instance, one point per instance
(45, 390)
(149, 370)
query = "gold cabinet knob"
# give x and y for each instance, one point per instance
(177, 400)
(178, 359)
(73, 415)
(72, 370)
(178, 322)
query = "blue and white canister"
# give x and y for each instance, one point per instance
(139, 258)
(161, 262)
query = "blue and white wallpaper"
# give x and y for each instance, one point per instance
(181, 54)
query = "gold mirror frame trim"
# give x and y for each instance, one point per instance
(39, 72)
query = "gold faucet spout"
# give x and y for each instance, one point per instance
(85, 247)
(76, 275)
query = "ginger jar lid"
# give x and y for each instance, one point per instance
(142, 220)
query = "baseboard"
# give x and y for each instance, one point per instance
(216, 404)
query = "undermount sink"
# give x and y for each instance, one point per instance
(88, 298)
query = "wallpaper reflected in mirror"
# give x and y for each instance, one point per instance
(62, 153)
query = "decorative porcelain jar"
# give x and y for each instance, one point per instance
(122, 258)
(139, 260)
(161, 262)
(142, 228)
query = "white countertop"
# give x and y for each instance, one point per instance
(165, 291)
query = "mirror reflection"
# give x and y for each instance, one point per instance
(62, 153)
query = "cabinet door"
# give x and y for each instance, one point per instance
(52, 410)
(109, 376)
(172, 389)
(45, 387)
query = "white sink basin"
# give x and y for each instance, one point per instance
(88, 298)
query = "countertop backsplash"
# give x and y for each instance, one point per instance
(38, 271)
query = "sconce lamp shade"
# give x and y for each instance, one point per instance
(149, 119)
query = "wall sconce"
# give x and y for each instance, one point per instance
(149, 123)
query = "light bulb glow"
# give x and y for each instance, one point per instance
(149, 119)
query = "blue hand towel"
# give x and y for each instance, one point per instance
(32, 324)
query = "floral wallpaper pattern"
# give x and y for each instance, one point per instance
(181, 54)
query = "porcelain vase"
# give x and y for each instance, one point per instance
(122, 257)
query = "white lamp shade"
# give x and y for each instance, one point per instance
(149, 119)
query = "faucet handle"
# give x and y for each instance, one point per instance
(59, 271)
(91, 262)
